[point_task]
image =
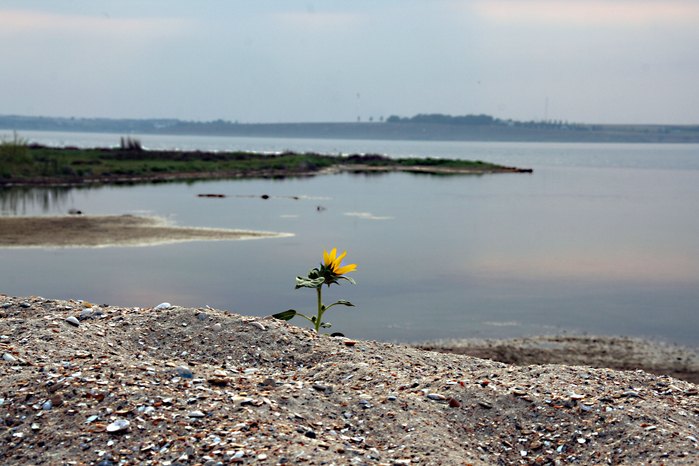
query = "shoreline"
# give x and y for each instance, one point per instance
(276, 174)
(108, 230)
(72, 166)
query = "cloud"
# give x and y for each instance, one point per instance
(588, 13)
(19, 22)
(318, 22)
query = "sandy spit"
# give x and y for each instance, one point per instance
(89, 384)
(108, 230)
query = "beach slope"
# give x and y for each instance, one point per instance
(91, 384)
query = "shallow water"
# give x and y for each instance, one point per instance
(600, 238)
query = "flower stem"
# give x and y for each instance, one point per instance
(320, 310)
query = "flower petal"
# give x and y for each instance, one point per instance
(339, 259)
(345, 269)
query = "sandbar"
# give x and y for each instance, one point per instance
(108, 230)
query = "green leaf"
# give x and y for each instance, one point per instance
(325, 325)
(345, 303)
(286, 315)
(349, 279)
(337, 334)
(303, 282)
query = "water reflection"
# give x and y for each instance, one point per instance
(18, 200)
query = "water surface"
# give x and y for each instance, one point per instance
(601, 238)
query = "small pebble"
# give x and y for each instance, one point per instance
(9, 358)
(217, 327)
(220, 381)
(184, 371)
(162, 306)
(196, 414)
(319, 387)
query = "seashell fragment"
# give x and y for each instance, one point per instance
(118, 426)
(73, 321)
(258, 325)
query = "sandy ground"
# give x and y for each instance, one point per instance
(107, 230)
(83, 384)
(621, 353)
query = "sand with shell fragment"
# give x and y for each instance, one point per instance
(262, 391)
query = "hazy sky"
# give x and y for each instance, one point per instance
(302, 61)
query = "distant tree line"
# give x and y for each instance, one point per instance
(440, 119)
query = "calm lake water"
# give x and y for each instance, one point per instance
(601, 238)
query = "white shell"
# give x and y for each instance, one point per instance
(118, 426)
(73, 321)
(258, 325)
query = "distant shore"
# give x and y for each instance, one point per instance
(108, 230)
(400, 131)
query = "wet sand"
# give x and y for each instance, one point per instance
(108, 230)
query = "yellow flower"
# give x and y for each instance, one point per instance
(333, 263)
